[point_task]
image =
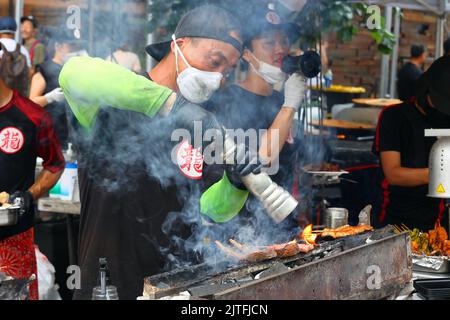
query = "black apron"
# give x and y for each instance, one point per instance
(122, 206)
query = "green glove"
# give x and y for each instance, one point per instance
(223, 201)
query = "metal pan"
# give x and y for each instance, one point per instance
(9, 216)
(433, 264)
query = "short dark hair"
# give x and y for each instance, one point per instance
(31, 19)
(447, 46)
(417, 50)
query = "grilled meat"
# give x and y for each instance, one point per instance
(262, 255)
(433, 243)
(322, 167)
(345, 231)
(286, 250)
(305, 247)
(256, 254)
(291, 248)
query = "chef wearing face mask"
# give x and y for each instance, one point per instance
(404, 150)
(118, 124)
(45, 90)
(254, 103)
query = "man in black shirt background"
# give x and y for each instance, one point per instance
(26, 132)
(410, 72)
(404, 150)
(254, 104)
(45, 90)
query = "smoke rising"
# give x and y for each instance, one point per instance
(123, 145)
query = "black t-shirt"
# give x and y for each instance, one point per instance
(26, 132)
(237, 108)
(123, 202)
(402, 129)
(50, 71)
(407, 81)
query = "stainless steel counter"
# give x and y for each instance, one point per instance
(59, 206)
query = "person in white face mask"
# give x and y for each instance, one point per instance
(112, 107)
(45, 90)
(254, 104)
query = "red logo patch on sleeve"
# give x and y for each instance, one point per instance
(11, 140)
(190, 161)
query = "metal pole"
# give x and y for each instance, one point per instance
(385, 59)
(440, 38)
(394, 62)
(11, 8)
(18, 15)
(440, 30)
(150, 38)
(91, 8)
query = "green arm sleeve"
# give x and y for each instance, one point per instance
(223, 201)
(90, 83)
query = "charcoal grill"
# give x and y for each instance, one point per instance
(373, 265)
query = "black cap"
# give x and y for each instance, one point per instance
(31, 19)
(8, 25)
(262, 20)
(67, 36)
(206, 21)
(438, 78)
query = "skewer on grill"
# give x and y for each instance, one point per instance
(229, 251)
(237, 245)
(255, 256)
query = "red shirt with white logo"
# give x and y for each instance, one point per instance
(26, 132)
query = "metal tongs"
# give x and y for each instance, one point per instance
(364, 216)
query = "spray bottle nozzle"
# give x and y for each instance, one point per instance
(104, 279)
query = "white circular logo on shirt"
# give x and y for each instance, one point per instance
(190, 160)
(273, 18)
(11, 140)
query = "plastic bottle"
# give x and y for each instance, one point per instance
(70, 154)
(66, 187)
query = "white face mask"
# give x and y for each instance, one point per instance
(269, 73)
(196, 85)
